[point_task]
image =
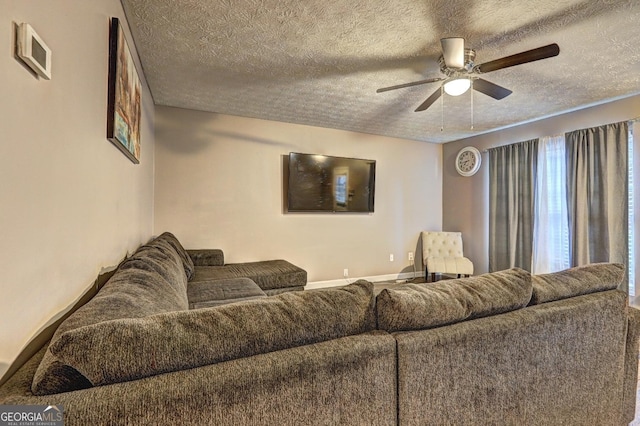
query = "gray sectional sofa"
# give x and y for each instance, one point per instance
(498, 349)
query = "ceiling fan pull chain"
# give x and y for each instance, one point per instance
(442, 108)
(471, 104)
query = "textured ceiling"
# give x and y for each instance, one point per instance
(319, 62)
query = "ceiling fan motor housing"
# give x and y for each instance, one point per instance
(469, 56)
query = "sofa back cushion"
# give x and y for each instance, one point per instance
(576, 282)
(160, 259)
(187, 262)
(132, 348)
(421, 306)
(206, 257)
(151, 281)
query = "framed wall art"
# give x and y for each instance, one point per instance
(124, 103)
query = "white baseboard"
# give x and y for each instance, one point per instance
(344, 281)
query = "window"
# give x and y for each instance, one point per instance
(551, 228)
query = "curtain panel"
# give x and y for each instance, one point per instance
(597, 194)
(512, 171)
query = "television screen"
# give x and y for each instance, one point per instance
(321, 183)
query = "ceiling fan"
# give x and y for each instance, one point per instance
(456, 63)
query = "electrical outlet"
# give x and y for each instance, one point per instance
(391, 257)
(410, 256)
(346, 273)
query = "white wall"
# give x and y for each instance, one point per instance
(219, 185)
(71, 204)
(466, 200)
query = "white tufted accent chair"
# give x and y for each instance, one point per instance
(442, 254)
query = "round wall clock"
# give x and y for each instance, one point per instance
(468, 161)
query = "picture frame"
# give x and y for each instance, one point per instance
(124, 103)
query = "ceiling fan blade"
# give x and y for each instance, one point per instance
(414, 83)
(490, 89)
(430, 100)
(532, 55)
(453, 51)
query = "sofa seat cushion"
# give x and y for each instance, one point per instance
(576, 282)
(204, 294)
(132, 348)
(268, 274)
(421, 306)
(450, 265)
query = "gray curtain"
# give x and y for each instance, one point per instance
(597, 194)
(512, 171)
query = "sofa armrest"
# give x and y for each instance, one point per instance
(631, 364)
(207, 257)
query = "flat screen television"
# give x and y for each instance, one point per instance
(322, 183)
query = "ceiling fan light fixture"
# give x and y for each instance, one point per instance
(457, 86)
